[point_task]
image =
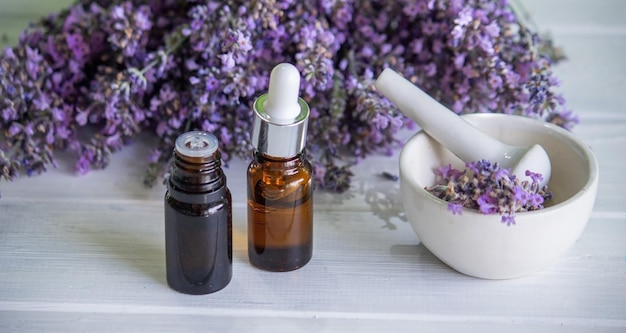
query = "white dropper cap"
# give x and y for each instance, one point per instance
(282, 105)
(281, 116)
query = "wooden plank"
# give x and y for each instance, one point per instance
(112, 255)
(234, 321)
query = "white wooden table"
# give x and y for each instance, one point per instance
(86, 254)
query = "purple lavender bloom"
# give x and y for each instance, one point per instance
(536, 177)
(508, 220)
(473, 166)
(8, 53)
(487, 45)
(32, 62)
(243, 42)
(142, 18)
(566, 119)
(82, 117)
(429, 27)
(63, 132)
(8, 114)
(411, 10)
(455, 208)
(28, 129)
(501, 173)
(194, 80)
(493, 29)
(380, 121)
(489, 189)
(82, 165)
(520, 195)
(487, 204)
(154, 155)
(14, 129)
(459, 60)
(447, 172)
(464, 17)
(228, 60)
(495, 81)
(50, 136)
(179, 65)
(536, 200)
(58, 115)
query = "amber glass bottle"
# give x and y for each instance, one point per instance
(280, 212)
(280, 192)
(198, 217)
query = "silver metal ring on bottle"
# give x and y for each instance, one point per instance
(278, 140)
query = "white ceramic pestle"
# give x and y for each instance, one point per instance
(460, 137)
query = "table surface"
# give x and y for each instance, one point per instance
(87, 253)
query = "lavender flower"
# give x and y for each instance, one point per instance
(486, 187)
(455, 208)
(125, 67)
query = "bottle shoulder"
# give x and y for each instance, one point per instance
(292, 171)
(268, 162)
(199, 207)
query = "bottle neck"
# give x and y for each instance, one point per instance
(272, 162)
(197, 175)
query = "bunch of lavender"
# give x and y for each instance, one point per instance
(489, 189)
(97, 74)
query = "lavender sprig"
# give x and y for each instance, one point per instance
(490, 189)
(93, 77)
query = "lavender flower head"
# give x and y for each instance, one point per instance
(490, 189)
(96, 75)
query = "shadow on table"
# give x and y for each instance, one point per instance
(381, 196)
(386, 204)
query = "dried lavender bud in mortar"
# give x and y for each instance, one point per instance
(490, 189)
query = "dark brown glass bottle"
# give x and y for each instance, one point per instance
(280, 212)
(280, 191)
(198, 217)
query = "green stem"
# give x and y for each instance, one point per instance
(165, 53)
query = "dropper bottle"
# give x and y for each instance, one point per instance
(198, 217)
(280, 191)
